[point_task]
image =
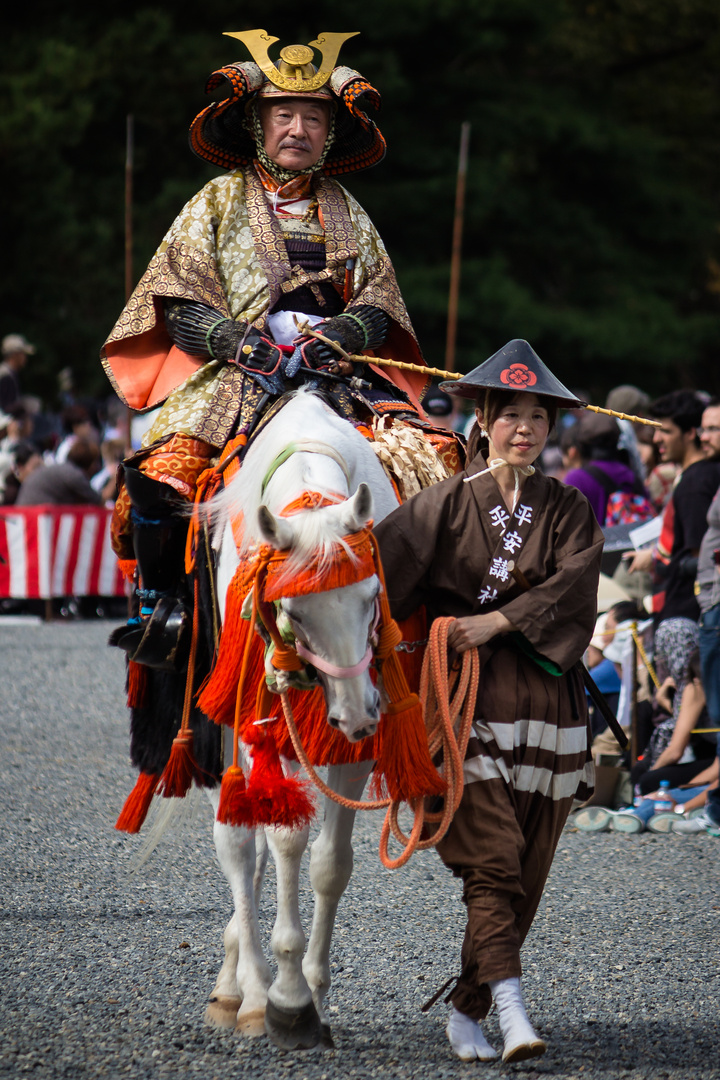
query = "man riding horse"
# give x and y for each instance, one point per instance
(211, 331)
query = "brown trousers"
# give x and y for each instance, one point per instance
(501, 843)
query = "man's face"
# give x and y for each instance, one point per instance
(295, 131)
(16, 360)
(710, 432)
(671, 441)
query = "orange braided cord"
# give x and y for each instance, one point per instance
(349, 804)
(445, 711)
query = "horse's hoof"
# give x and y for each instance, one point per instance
(251, 1024)
(326, 1036)
(222, 1011)
(293, 1030)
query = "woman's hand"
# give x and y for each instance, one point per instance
(663, 696)
(475, 630)
(664, 795)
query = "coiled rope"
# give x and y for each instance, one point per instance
(448, 699)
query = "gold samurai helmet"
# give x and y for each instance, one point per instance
(219, 133)
(294, 75)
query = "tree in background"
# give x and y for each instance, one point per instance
(591, 221)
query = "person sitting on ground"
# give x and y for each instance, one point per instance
(707, 800)
(673, 752)
(65, 484)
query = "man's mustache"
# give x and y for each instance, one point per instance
(295, 144)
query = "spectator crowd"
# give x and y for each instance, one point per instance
(656, 493)
(68, 456)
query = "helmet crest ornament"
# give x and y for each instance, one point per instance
(297, 73)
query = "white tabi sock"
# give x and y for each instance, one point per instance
(467, 1039)
(521, 1040)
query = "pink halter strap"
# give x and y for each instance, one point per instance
(333, 670)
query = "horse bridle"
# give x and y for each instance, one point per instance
(334, 670)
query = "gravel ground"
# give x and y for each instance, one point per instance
(106, 972)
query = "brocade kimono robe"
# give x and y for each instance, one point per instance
(226, 249)
(452, 548)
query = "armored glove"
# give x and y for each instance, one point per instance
(364, 327)
(202, 331)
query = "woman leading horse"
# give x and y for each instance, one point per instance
(514, 557)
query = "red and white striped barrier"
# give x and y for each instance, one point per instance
(48, 551)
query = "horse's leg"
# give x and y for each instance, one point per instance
(331, 864)
(226, 988)
(240, 993)
(261, 858)
(291, 1020)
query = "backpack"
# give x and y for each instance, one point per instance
(622, 507)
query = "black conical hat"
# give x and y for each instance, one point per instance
(515, 367)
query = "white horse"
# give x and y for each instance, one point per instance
(306, 447)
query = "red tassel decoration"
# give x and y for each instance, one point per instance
(404, 760)
(275, 799)
(177, 775)
(127, 568)
(234, 807)
(137, 803)
(218, 696)
(138, 685)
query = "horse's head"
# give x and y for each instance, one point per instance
(333, 626)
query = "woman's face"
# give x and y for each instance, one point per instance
(520, 432)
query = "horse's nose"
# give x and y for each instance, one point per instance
(333, 721)
(364, 733)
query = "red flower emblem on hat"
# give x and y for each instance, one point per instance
(518, 375)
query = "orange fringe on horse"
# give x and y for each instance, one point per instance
(404, 768)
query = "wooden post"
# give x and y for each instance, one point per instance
(129, 146)
(129, 155)
(457, 248)
(634, 701)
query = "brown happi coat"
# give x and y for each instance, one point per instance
(453, 548)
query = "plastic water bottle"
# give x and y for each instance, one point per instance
(663, 803)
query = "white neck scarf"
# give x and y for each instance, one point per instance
(518, 470)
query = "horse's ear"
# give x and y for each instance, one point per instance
(357, 511)
(275, 531)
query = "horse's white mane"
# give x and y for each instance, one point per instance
(306, 418)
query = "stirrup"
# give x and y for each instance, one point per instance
(159, 641)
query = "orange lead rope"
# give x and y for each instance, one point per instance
(443, 706)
